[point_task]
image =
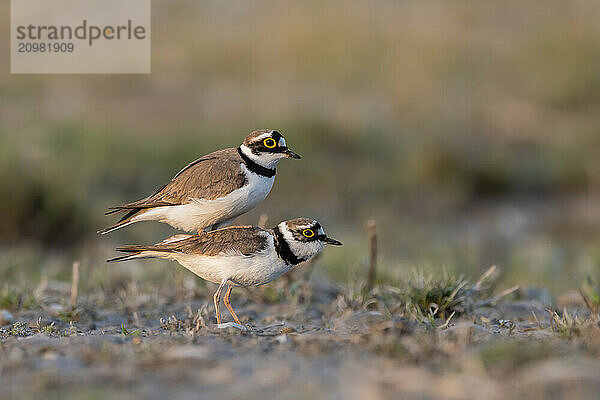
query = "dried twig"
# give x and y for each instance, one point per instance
(74, 284)
(494, 300)
(448, 321)
(262, 221)
(483, 277)
(41, 288)
(372, 234)
(537, 321)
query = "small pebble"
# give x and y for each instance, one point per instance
(55, 309)
(6, 317)
(232, 325)
(282, 339)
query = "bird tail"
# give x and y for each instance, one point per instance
(134, 252)
(159, 250)
(113, 210)
(132, 210)
(123, 258)
(124, 221)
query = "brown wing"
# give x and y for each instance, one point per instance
(236, 240)
(210, 177)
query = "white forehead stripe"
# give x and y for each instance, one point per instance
(263, 136)
(305, 226)
(321, 231)
(282, 142)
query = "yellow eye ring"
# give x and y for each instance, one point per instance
(269, 143)
(308, 233)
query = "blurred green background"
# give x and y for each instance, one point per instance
(468, 130)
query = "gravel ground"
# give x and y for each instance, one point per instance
(320, 349)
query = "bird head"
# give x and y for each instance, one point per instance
(266, 147)
(305, 237)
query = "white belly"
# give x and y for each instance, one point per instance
(200, 213)
(238, 270)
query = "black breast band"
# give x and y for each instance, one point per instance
(254, 167)
(283, 249)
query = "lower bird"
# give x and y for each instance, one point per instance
(240, 255)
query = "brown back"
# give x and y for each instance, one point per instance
(210, 177)
(245, 240)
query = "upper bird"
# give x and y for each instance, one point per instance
(215, 189)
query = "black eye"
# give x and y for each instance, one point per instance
(269, 143)
(308, 233)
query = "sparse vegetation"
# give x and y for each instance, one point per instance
(567, 326)
(429, 297)
(590, 292)
(20, 329)
(13, 298)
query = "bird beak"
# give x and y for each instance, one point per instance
(332, 242)
(290, 154)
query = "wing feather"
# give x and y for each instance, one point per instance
(245, 240)
(210, 177)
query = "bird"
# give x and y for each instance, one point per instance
(239, 255)
(213, 190)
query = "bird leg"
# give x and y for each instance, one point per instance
(217, 299)
(228, 305)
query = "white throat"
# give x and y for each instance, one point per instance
(302, 250)
(267, 160)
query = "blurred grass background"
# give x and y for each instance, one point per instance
(468, 130)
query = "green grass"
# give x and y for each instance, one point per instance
(14, 299)
(590, 292)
